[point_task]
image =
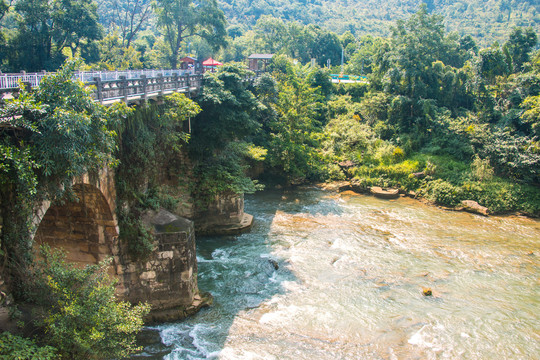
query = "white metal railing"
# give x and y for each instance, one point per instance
(11, 81)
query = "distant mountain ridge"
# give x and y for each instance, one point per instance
(487, 21)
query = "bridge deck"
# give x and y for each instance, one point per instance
(114, 86)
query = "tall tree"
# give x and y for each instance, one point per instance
(362, 60)
(408, 67)
(182, 19)
(127, 16)
(221, 133)
(131, 16)
(491, 63)
(47, 27)
(4, 7)
(519, 45)
(272, 32)
(326, 47)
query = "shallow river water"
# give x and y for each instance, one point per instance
(341, 276)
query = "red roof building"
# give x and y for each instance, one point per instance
(210, 64)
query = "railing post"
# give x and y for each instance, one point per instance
(161, 84)
(176, 82)
(99, 89)
(124, 83)
(144, 83)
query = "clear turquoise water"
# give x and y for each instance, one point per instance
(350, 279)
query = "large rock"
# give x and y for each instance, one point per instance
(384, 193)
(354, 185)
(473, 207)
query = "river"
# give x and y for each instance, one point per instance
(341, 276)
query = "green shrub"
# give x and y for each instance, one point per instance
(481, 169)
(501, 196)
(81, 317)
(442, 192)
(334, 172)
(137, 237)
(444, 167)
(394, 175)
(398, 154)
(383, 153)
(14, 347)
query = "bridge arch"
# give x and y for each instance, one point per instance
(85, 227)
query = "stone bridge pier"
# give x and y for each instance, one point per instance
(87, 229)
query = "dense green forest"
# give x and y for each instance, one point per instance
(439, 117)
(487, 21)
(38, 35)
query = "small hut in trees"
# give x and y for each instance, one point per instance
(258, 62)
(188, 63)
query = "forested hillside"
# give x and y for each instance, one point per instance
(487, 21)
(110, 34)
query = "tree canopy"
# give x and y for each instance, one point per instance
(46, 28)
(182, 19)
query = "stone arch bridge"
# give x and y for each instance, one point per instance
(86, 227)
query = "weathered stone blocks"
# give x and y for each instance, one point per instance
(167, 279)
(225, 215)
(86, 229)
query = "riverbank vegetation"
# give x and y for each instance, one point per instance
(150, 173)
(444, 120)
(75, 313)
(438, 117)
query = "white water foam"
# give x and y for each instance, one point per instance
(198, 335)
(428, 339)
(189, 342)
(420, 339)
(203, 260)
(274, 277)
(220, 254)
(169, 335)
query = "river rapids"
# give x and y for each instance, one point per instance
(344, 276)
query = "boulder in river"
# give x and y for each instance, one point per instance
(427, 292)
(274, 264)
(473, 207)
(384, 193)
